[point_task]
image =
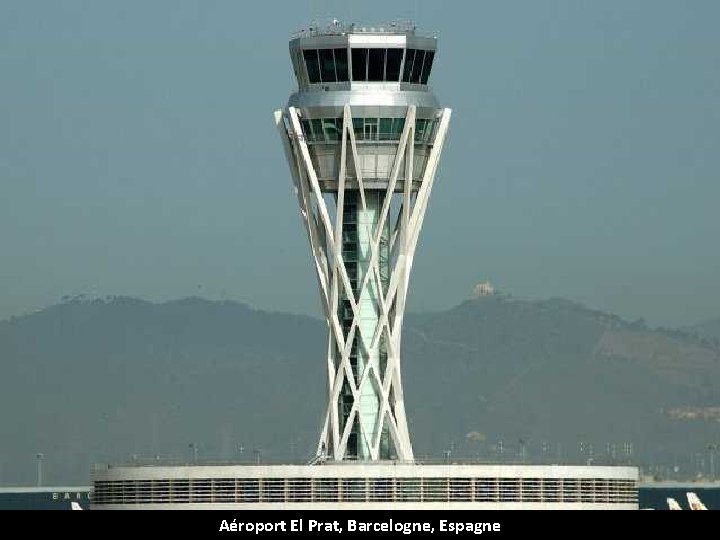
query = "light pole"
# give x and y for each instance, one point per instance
(39, 457)
(257, 453)
(194, 449)
(711, 449)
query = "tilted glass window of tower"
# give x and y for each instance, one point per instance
(368, 65)
(326, 65)
(329, 130)
(330, 65)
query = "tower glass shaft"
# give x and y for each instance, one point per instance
(360, 225)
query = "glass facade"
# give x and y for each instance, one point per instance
(312, 64)
(365, 129)
(427, 66)
(417, 66)
(392, 64)
(407, 68)
(359, 64)
(341, 64)
(326, 65)
(376, 65)
(373, 65)
(359, 225)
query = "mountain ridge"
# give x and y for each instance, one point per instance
(101, 380)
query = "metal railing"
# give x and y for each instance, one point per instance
(338, 28)
(174, 462)
(361, 137)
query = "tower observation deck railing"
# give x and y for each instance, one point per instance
(337, 28)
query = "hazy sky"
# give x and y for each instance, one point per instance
(138, 154)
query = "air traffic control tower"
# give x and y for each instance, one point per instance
(363, 136)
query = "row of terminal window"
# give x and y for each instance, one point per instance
(365, 129)
(374, 65)
(282, 490)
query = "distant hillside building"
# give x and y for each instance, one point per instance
(483, 289)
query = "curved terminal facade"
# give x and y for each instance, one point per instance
(366, 486)
(363, 135)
